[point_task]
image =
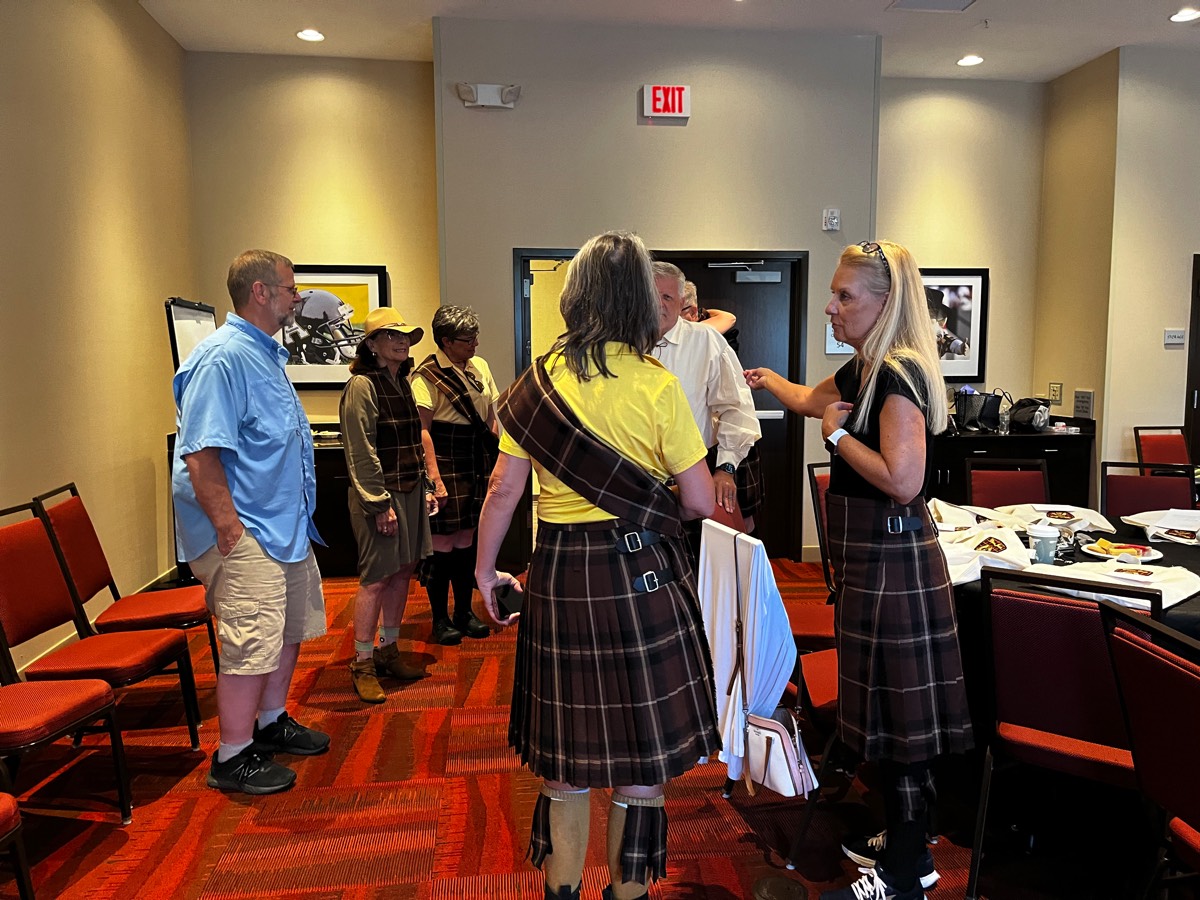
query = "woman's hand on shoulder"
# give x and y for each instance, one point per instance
(759, 378)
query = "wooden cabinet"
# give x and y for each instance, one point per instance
(1068, 462)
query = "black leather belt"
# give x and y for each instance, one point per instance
(900, 524)
(649, 582)
(633, 541)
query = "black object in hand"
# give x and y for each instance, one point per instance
(508, 601)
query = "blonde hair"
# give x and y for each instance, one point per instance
(901, 338)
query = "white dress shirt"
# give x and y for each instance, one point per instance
(712, 380)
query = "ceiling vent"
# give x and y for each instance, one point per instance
(931, 5)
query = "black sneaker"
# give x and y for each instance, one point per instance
(866, 850)
(446, 634)
(286, 735)
(874, 885)
(251, 772)
(471, 626)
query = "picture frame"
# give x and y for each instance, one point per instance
(959, 319)
(834, 347)
(328, 327)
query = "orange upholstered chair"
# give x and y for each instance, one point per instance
(1128, 488)
(12, 845)
(86, 567)
(33, 713)
(1161, 444)
(35, 599)
(1006, 482)
(1158, 676)
(1056, 701)
(818, 690)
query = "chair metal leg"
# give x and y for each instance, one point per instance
(810, 802)
(212, 645)
(191, 704)
(980, 823)
(124, 794)
(20, 864)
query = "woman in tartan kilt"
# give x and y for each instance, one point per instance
(901, 700)
(613, 683)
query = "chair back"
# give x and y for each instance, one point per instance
(818, 483)
(1158, 677)
(1128, 488)
(76, 543)
(1161, 444)
(1050, 664)
(34, 596)
(1007, 482)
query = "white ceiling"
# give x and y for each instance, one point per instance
(1020, 40)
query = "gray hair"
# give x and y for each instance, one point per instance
(668, 270)
(249, 267)
(688, 292)
(609, 295)
(450, 322)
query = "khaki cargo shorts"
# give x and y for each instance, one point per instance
(260, 604)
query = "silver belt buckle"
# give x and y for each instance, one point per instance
(895, 525)
(647, 578)
(633, 541)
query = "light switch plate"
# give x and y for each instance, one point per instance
(1056, 393)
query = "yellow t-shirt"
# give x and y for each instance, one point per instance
(642, 414)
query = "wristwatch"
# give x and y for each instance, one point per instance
(728, 467)
(831, 442)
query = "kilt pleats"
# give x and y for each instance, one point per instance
(459, 462)
(901, 694)
(612, 687)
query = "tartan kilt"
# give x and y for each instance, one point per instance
(459, 462)
(901, 695)
(611, 687)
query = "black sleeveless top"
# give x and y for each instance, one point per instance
(843, 479)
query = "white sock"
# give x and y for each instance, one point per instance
(227, 750)
(269, 716)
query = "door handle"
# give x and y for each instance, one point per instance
(977, 452)
(1050, 450)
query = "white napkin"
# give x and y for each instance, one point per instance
(1175, 582)
(1060, 515)
(969, 551)
(949, 517)
(1177, 525)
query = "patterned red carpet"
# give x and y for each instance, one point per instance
(419, 797)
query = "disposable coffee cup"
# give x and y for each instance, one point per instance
(1043, 540)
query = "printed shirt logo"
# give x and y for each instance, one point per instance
(1060, 514)
(991, 545)
(1145, 573)
(1186, 535)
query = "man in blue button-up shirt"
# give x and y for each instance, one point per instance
(245, 490)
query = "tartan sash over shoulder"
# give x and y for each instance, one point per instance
(538, 419)
(455, 392)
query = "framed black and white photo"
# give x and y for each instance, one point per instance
(329, 324)
(957, 300)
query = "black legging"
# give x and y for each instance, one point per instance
(906, 789)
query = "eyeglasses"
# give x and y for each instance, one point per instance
(392, 334)
(472, 339)
(289, 288)
(870, 247)
(475, 382)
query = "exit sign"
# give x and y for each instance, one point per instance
(667, 100)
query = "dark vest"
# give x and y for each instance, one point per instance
(397, 432)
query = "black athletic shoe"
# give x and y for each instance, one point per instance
(471, 626)
(286, 735)
(874, 885)
(866, 851)
(251, 772)
(446, 634)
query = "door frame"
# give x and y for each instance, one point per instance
(1191, 397)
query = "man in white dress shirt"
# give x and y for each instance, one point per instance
(712, 379)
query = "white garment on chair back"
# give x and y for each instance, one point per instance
(769, 650)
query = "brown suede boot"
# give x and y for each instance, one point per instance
(366, 685)
(387, 662)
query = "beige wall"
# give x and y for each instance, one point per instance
(1076, 234)
(94, 168)
(328, 161)
(959, 185)
(1156, 231)
(781, 126)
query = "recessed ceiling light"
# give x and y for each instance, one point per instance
(1187, 14)
(970, 60)
(310, 34)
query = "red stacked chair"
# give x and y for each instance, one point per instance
(12, 845)
(1056, 701)
(1161, 444)
(1006, 482)
(812, 623)
(86, 567)
(1158, 676)
(35, 599)
(1129, 488)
